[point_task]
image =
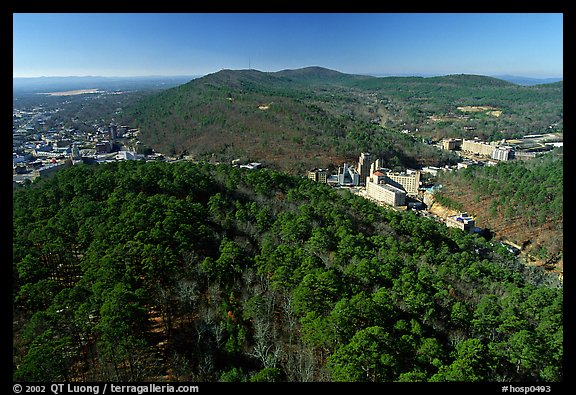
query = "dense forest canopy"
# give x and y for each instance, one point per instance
(147, 271)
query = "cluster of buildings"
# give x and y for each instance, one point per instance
(496, 151)
(385, 187)
(527, 147)
(39, 151)
(381, 184)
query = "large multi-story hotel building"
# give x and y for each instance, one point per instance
(477, 147)
(378, 190)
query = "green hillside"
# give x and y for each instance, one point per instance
(314, 117)
(152, 271)
(519, 201)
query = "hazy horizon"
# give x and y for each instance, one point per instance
(274, 71)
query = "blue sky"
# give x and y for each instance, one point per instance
(143, 44)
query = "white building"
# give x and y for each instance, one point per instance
(462, 221)
(380, 192)
(347, 176)
(128, 155)
(503, 153)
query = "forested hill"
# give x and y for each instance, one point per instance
(157, 271)
(320, 75)
(315, 117)
(292, 120)
(285, 78)
(519, 201)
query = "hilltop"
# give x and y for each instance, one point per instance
(317, 117)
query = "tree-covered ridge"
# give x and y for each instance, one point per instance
(414, 100)
(138, 271)
(307, 115)
(528, 195)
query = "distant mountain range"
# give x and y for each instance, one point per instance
(44, 84)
